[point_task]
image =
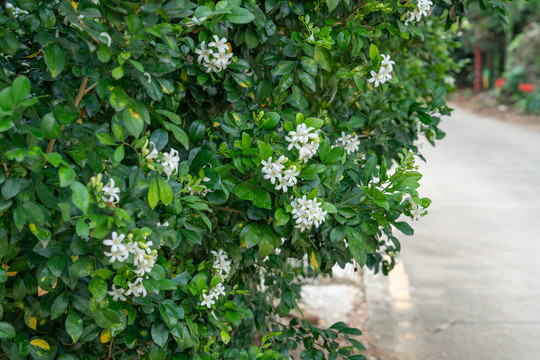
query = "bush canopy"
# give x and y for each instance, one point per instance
(173, 171)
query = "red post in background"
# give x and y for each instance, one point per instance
(478, 69)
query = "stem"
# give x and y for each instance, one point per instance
(78, 99)
(124, 350)
(229, 209)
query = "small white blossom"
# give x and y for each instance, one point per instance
(223, 59)
(204, 53)
(170, 162)
(208, 300)
(194, 21)
(111, 192)
(116, 242)
(117, 293)
(220, 44)
(166, 223)
(114, 255)
(386, 62)
(422, 8)
(351, 143)
(379, 78)
(218, 290)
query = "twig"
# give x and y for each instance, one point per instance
(90, 88)
(110, 348)
(229, 209)
(78, 99)
(5, 169)
(137, 12)
(126, 349)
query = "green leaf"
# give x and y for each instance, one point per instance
(404, 227)
(59, 305)
(66, 114)
(307, 79)
(82, 267)
(165, 191)
(239, 15)
(334, 155)
(50, 127)
(284, 67)
(81, 196)
(66, 175)
(119, 99)
(11, 187)
(261, 199)
(282, 217)
(153, 193)
(356, 246)
(178, 133)
(285, 82)
(370, 167)
(133, 121)
(373, 52)
(98, 287)
(243, 192)
(270, 120)
(74, 325)
(160, 333)
(332, 4)
(20, 89)
(323, 58)
(54, 59)
(119, 153)
(7, 331)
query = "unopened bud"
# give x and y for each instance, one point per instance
(130, 236)
(93, 181)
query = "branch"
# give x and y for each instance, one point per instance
(229, 209)
(78, 99)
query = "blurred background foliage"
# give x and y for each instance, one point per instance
(510, 52)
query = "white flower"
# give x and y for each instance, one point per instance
(95, 2)
(152, 154)
(272, 170)
(117, 293)
(208, 300)
(170, 162)
(301, 136)
(116, 242)
(133, 289)
(282, 184)
(111, 191)
(290, 176)
(204, 53)
(218, 290)
(416, 212)
(422, 8)
(213, 65)
(379, 78)
(349, 142)
(108, 37)
(114, 255)
(220, 256)
(220, 44)
(194, 21)
(166, 223)
(223, 59)
(386, 62)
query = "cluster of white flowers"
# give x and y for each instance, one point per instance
(385, 72)
(349, 142)
(306, 141)
(169, 160)
(217, 56)
(422, 8)
(110, 192)
(139, 254)
(416, 210)
(199, 189)
(222, 265)
(277, 175)
(307, 213)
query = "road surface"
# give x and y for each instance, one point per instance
(468, 286)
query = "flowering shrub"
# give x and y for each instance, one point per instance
(167, 167)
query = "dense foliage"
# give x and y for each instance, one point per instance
(167, 168)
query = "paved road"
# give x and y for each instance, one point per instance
(468, 287)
